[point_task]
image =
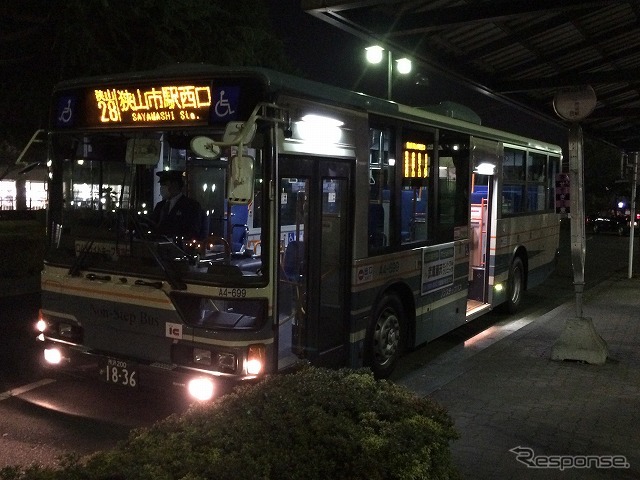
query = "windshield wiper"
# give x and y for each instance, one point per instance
(171, 275)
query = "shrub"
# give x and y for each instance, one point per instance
(313, 424)
(22, 246)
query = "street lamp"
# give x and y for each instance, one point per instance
(375, 54)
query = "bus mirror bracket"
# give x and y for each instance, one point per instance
(239, 132)
(240, 180)
(143, 151)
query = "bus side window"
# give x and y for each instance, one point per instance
(513, 187)
(417, 170)
(453, 185)
(381, 187)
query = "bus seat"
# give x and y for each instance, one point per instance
(376, 226)
(406, 214)
(239, 214)
(512, 199)
(476, 198)
(479, 193)
(239, 228)
(293, 261)
(205, 227)
(238, 237)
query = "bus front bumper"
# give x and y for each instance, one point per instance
(134, 374)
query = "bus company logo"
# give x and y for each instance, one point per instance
(364, 274)
(173, 330)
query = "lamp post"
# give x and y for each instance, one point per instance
(375, 54)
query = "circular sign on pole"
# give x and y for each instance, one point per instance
(575, 103)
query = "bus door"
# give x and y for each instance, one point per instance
(479, 241)
(313, 280)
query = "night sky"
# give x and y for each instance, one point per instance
(327, 54)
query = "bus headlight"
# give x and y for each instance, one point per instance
(202, 357)
(52, 356)
(226, 362)
(255, 359)
(201, 389)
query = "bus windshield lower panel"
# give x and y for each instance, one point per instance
(104, 215)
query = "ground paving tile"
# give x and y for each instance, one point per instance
(511, 394)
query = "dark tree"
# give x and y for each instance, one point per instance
(45, 41)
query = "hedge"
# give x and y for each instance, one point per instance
(313, 424)
(22, 246)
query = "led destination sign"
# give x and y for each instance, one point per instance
(415, 161)
(153, 105)
(156, 103)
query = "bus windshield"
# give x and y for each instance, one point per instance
(105, 195)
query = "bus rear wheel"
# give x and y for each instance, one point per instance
(515, 285)
(386, 336)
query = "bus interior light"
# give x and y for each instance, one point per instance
(322, 133)
(485, 168)
(321, 121)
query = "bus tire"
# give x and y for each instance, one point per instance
(515, 285)
(386, 336)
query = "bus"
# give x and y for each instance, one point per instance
(337, 229)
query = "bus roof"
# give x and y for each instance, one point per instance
(277, 82)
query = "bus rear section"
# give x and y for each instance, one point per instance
(461, 220)
(514, 230)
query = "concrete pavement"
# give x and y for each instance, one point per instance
(521, 415)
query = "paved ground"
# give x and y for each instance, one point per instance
(504, 392)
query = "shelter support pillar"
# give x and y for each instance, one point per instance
(579, 340)
(632, 215)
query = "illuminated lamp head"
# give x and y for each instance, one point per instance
(201, 389)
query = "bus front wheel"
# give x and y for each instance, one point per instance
(386, 336)
(515, 285)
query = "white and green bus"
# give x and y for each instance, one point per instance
(336, 229)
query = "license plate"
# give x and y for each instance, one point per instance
(119, 372)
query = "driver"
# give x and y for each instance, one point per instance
(176, 215)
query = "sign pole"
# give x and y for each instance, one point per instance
(632, 214)
(576, 181)
(579, 339)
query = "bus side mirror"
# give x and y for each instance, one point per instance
(240, 180)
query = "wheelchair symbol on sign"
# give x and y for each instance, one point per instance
(66, 113)
(223, 107)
